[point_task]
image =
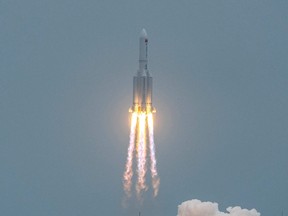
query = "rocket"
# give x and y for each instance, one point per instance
(142, 81)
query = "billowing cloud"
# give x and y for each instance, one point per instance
(198, 208)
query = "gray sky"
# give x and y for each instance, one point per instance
(220, 73)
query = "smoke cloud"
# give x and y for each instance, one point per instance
(198, 208)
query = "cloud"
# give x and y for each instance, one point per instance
(198, 208)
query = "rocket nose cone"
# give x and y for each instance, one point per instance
(143, 33)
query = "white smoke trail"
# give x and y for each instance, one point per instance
(153, 162)
(127, 177)
(141, 147)
(198, 208)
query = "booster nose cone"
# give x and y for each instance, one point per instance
(143, 33)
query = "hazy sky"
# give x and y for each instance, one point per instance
(220, 72)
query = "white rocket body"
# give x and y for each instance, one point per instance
(142, 82)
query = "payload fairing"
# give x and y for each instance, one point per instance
(142, 81)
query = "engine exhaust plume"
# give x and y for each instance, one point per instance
(129, 171)
(141, 131)
(141, 151)
(153, 168)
